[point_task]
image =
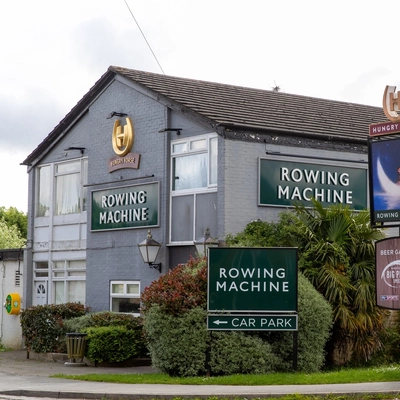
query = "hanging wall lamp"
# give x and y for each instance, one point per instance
(202, 244)
(149, 249)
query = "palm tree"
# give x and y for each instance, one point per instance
(337, 254)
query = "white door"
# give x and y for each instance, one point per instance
(40, 294)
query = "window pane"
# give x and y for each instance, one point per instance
(179, 148)
(59, 274)
(117, 288)
(59, 292)
(76, 291)
(125, 305)
(68, 167)
(77, 273)
(58, 264)
(182, 222)
(44, 197)
(67, 194)
(44, 274)
(132, 288)
(80, 264)
(198, 144)
(190, 172)
(213, 161)
(84, 182)
(41, 265)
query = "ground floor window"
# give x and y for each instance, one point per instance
(69, 281)
(125, 296)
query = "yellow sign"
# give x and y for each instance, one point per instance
(13, 303)
(122, 137)
(391, 103)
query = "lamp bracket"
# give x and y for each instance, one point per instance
(156, 266)
(177, 130)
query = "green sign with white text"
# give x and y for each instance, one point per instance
(125, 207)
(283, 183)
(238, 322)
(252, 279)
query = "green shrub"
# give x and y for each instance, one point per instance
(178, 338)
(315, 322)
(177, 344)
(43, 326)
(112, 343)
(238, 352)
(110, 319)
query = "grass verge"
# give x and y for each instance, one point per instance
(348, 375)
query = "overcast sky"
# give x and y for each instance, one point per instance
(54, 51)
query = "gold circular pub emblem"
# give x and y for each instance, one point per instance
(122, 137)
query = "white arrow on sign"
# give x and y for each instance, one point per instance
(218, 322)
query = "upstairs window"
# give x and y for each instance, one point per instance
(70, 192)
(194, 163)
(44, 197)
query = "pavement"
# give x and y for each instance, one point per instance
(22, 377)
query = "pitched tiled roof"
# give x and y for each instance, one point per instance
(235, 108)
(263, 110)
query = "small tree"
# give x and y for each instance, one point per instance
(10, 237)
(14, 217)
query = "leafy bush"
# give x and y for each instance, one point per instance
(181, 289)
(110, 319)
(177, 344)
(112, 343)
(175, 327)
(238, 352)
(43, 326)
(315, 321)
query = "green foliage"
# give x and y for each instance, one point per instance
(43, 326)
(13, 217)
(113, 343)
(10, 237)
(110, 319)
(181, 289)
(178, 339)
(240, 353)
(337, 255)
(315, 321)
(177, 343)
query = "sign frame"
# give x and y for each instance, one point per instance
(150, 198)
(272, 286)
(311, 178)
(381, 165)
(253, 323)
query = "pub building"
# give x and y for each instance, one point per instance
(145, 165)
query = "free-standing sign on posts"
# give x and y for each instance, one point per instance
(258, 280)
(387, 258)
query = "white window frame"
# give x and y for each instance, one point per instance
(125, 294)
(81, 170)
(65, 277)
(211, 187)
(189, 151)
